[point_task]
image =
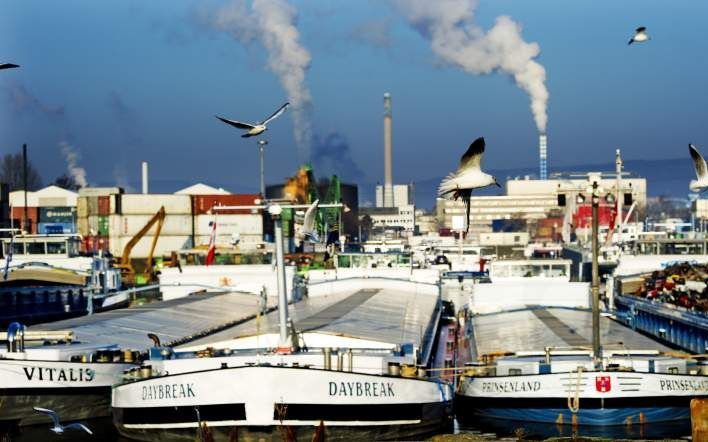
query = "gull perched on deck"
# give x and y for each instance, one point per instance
(308, 231)
(701, 181)
(8, 66)
(640, 35)
(257, 128)
(469, 176)
(58, 427)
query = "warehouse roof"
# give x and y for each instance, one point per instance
(202, 189)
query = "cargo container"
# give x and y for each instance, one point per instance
(92, 206)
(82, 227)
(18, 216)
(139, 204)
(229, 224)
(103, 225)
(508, 225)
(114, 204)
(130, 225)
(55, 228)
(55, 215)
(104, 205)
(96, 243)
(202, 204)
(99, 191)
(552, 222)
(165, 245)
(93, 225)
(82, 207)
(582, 218)
(245, 243)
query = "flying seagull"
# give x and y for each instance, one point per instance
(308, 231)
(469, 176)
(640, 35)
(59, 428)
(8, 66)
(255, 129)
(701, 181)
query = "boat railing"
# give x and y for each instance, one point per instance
(44, 335)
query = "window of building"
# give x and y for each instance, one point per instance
(56, 248)
(36, 248)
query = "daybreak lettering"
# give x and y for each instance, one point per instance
(683, 385)
(510, 386)
(59, 374)
(366, 389)
(168, 391)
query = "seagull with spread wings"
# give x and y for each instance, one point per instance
(58, 428)
(640, 35)
(469, 176)
(701, 181)
(8, 66)
(257, 128)
(308, 231)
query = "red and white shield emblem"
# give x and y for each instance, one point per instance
(603, 384)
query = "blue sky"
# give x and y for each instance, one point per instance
(126, 81)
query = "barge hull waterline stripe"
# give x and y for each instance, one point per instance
(276, 423)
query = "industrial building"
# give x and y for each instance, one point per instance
(533, 199)
(48, 210)
(485, 209)
(402, 195)
(400, 219)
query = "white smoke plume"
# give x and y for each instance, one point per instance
(273, 23)
(449, 25)
(72, 159)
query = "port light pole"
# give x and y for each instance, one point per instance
(261, 157)
(595, 191)
(275, 210)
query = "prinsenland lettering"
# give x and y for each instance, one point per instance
(510, 386)
(683, 385)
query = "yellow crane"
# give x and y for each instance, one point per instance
(127, 270)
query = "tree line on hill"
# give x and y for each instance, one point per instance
(11, 173)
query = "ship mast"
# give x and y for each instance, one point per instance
(597, 356)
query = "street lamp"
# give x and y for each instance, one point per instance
(261, 155)
(276, 212)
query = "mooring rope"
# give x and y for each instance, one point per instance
(574, 399)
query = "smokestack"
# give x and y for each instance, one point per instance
(543, 157)
(145, 177)
(388, 172)
(28, 223)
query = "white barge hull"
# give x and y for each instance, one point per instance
(75, 390)
(602, 398)
(260, 401)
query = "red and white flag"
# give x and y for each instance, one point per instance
(212, 244)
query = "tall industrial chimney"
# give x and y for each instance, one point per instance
(145, 177)
(543, 157)
(388, 173)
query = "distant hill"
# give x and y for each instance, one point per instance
(664, 178)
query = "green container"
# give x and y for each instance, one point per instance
(103, 225)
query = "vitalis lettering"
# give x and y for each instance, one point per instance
(683, 385)
(168, 391)
(367, 389)
(59, 374)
